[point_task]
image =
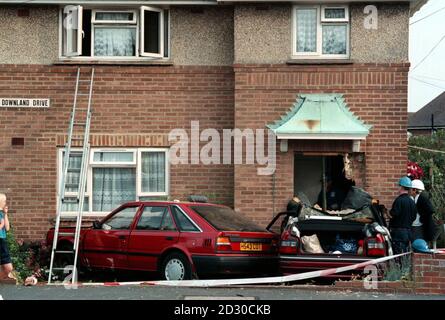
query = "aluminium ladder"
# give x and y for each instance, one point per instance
(78, 136)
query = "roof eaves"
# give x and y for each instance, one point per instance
(112, 2)
(344, 107)
(416, 5)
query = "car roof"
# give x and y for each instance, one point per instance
(187, 203)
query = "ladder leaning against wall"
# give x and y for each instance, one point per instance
(73, 178)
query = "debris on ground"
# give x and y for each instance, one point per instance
(31, 281)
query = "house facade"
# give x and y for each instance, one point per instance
(164, 65)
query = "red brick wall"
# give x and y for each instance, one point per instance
(428, 277)
(429, 273)
(133, 106)
(377, 93)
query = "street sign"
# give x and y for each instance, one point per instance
(24, 103)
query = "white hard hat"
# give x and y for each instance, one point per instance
(417, 184)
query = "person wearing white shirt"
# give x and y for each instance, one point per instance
(423, 227)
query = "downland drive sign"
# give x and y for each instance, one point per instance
(24, 103)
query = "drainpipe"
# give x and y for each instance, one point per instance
(273, 194)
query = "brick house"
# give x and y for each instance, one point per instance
(228, 64)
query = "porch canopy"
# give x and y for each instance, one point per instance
(320, 117)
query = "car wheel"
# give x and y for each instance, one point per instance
(176, 267)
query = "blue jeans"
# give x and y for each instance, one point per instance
(417, 233)
(400, 240)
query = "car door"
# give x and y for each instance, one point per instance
(107, 247)
(154, 232)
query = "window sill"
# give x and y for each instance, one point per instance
(72, 216)
(318, 61)
(115, 62)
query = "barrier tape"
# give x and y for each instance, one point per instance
(266, 280)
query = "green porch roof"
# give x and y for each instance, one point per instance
(320, 116)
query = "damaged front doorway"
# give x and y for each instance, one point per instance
(313, 173)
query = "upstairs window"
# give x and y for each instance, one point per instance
(118, 34)
(321, 32)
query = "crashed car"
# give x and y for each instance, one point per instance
(313, 239)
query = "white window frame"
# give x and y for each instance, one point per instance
(94, 21)
(136, 164)
(324, 19)
(92, 165)
(60, 165)
(139, 173)
(161, 32)
(70, 52)
(137, 57)
(319, 53)
(71, 194)
(348, 37)
(294, 33)
(112, 163)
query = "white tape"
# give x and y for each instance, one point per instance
(266, 280)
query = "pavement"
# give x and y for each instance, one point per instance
(43, 292)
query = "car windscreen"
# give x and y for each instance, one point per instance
(226, 219)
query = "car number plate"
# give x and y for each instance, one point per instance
(247, 246)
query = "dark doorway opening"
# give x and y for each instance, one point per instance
(309, 173)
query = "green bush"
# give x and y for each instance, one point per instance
(399, 269)
(28, 258)
(19, 257)
(433, 165)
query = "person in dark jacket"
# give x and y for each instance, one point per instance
(334, 195)
(423, 226)
(403, 213)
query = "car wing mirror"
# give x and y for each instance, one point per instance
(97, 225)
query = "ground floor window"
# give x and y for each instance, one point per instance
(112, 187)
(116, 177)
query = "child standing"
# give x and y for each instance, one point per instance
(5, 259)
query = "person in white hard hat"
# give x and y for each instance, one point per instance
(423, 227)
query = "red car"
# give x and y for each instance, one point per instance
(180, 240)
(354, 237)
